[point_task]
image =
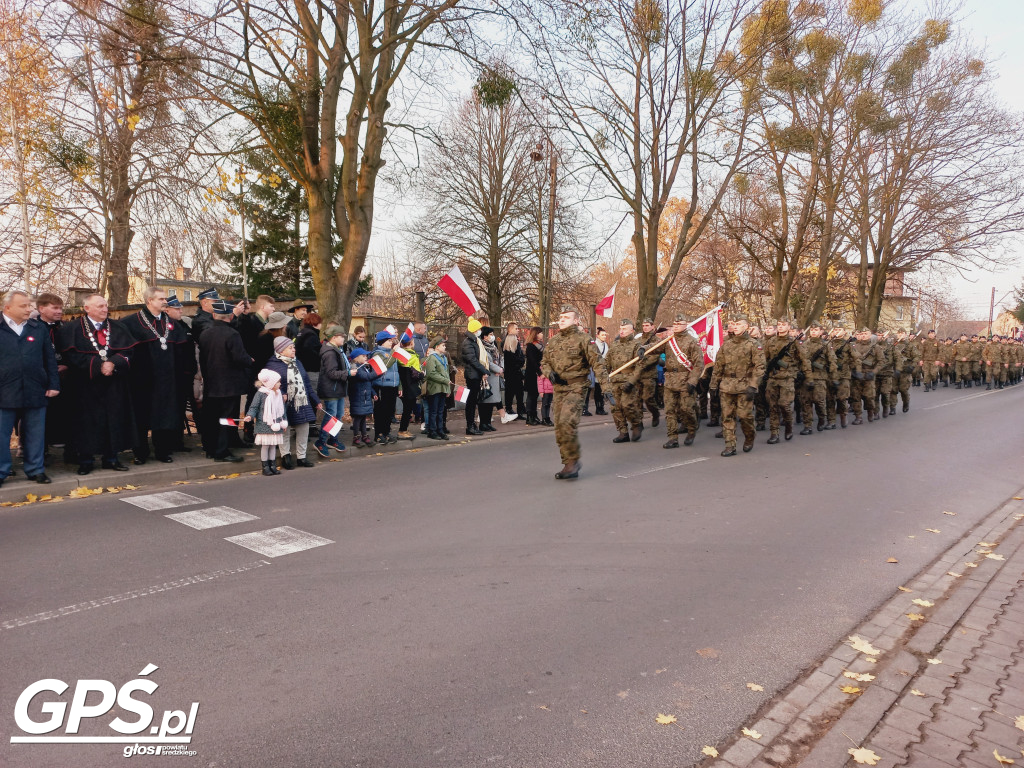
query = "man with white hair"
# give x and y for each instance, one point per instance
(30, 376)
(98, 351)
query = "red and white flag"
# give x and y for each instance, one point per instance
(378, 365)
(391, 329)
(401, 355)
(606, 307)
(332, 426)
(455, 285)
(231, 422)
(409, 331)
(708, 330)
(462, 394)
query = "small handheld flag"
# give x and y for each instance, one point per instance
(455, 285)
(401, 355)
(462, 394)
(231, 422)
(378, 365)
(409, 332)
(391, 329)
(332, 426)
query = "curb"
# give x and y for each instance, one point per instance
(814, 723)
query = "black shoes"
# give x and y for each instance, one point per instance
(84, 469)
(138, 462)
(804, 431)
(689, 440)
(487, 428)
(473, 431)
(304, 462)
(269, 470)
(655, 418)
(748, 444)
(230, 458)
(623, 437)
(773, 439)
(41, 478)
(637, 432)
(587, 413)
(115, 465)
(547, 423)
(287, 462)
(729, 451)
(673, 443)
(569, 472)
(789, 432)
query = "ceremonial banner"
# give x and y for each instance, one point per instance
(708, 330)
(378, 365)
(606, 307)
(455, 285)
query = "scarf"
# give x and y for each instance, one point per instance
(296, 387)
(491, 350)
(273, 407)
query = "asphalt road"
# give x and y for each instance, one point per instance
(473, 611)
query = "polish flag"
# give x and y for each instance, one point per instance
(378, 365)
(455, 285)
(407, 334)
(606, 307)
(231, 422)
(708, 330)
(332, 426)
(391, 329)
(401, 355)
(462, 394)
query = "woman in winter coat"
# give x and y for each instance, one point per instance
(307, 346)
(438, 385)
(495, 381)
(300, 400)
(534, 345)
(360, 396)
(333, 386)
(515, 358)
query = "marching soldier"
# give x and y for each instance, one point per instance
(786, 361)
(962, 362)
(684, 365)
(739, 368)
(868, 359)
(930, 361)
(946, 359)
(648, 382)
(626, 403)
(909, 352)
(761, 401)
(568, 360)
(839, 390)
(892, 361)
(992, 354)
(821, 360)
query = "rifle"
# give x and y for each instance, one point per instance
(773, 364)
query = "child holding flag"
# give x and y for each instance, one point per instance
(386, 386)
(267, 411)
(438, 387)
(360, 395)
(410, 374)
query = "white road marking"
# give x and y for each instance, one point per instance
(275, 542)
(166, 500)
(959, 400)
(157, 588)
(201, 519)
(667, 466)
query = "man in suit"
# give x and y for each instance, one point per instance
(227, 374)
(28, 376)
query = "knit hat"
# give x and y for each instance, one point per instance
(474, 325)
(437, 342)
(276, 320)
(383, 336)
(333, 330)
(269, 378)
(281, 343)
(486, 330)
(357, 352)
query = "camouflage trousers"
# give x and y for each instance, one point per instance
(566, 409)
(680, 409)
(883, 392)
(781, 393)
(626, 409)
(814, 397)
(648, 394)
(901, 383)
(963, 370)
(930, 371)
(736, 407)
(862, 395)
(838, 400)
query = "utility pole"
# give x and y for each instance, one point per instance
(991, 310)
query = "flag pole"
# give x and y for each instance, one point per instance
(663, 341)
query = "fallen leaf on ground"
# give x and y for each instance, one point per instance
(911, 537)
(870, 660)
(954, 575)
(113, 490)
(925, 603)
(850, 689)
(47, 497)
(934, 661)
(7, 504)
(709, 751)
(983, 551)
(915, 616)
(860, 644)
(916, 692)
(622, 694)
(130, 487)
(543, 706)
(31, 498)
(665, 719)
(904, 589)
(55, 498)
(659, 671)
(81, 493)
(1002, 760)
(755, 687)
(986, 544)
(707, 653)
(892, 560)
(995, 557)
(864, 756)
(1019, 722)
(971, 565)
(751, 733)
(933, 530)
(182, 482)
(860, 678)
(951, 514)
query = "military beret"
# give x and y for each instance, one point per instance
(931, 330)
(681, 318)
(209, 293)
(782, 320)
(569, 308)
(739, 317)
(222, 307)
(626, 322)
(815, 324)
(865, 329)
(174, 303)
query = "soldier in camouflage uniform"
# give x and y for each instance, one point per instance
(822, 362)
(761, 401)
(738, 369)
(930, 357)
(892, 361)
(684, 365)
(903, 379)
(992, 355)
(946, 358)
(788, 360)
(648, 382)
(977, 346)
(1009, 375)
(839, 392)
(867, 361)
(962, 362)
(568, 360)
(626, 410)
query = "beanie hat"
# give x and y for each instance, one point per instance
(281, 343)
(474, 325)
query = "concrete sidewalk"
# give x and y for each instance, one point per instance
(935, 683)
(195, 466)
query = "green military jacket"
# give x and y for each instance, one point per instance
(947, 354)
(892, 358)
(648, 366)
(680, 373)
(621, 351)
(571, 355)
(962, 351)
(792, 362)
(867, 355)
(993, 352)
(931, 350)
(821, 359)
(738, 365)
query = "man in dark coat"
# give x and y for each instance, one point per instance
(185, 368)
(59, 408)
(98, 352)
(154, 377)
(298, 312)
(227, 375)
(28, 376)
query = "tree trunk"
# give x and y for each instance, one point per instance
(321, 262)
(121, 236)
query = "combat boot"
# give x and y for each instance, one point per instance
(832, 426)
(267, 469)
(761, 427)
(689, 439)
(806, 431)
(842, 420)
(822, 426)
(719, 434)
(858, 421)
(906, 407)
(748, 444)
(655, 417)
(892, 410)
(673, 443)
(773, 439)
(945, 383)
(988, 387)
(637, 431)
(885, 412)
(729, 451)
(622, 438)
(871, 417)
(959, 385)
(714, 422)
(569, 471)
(926, 386)
(789, 431)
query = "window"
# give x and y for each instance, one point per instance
(899, 314)
(188, 297)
